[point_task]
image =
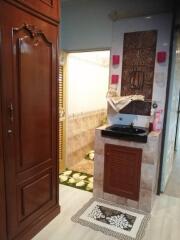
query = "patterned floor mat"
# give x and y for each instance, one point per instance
(76, 179)
(117, 221)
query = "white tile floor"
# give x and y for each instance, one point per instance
(164, 223)
(173, 185)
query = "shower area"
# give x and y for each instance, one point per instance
(86, 77)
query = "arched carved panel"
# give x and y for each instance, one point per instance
(33, 79)
(33, 32)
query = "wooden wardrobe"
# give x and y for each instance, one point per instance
(29, 196)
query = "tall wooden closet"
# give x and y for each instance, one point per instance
(28, 116)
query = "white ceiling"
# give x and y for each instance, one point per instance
(131, 8)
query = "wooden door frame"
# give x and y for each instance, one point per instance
(63, 62)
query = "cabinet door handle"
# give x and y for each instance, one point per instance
(11, 112)
(9, 131)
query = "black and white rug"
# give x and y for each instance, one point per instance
(117, 221)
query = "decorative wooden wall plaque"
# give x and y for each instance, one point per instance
(138, 70)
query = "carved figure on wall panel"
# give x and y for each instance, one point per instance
(138, 69)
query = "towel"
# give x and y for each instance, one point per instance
(118, 102)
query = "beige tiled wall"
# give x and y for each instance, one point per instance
(81, 134)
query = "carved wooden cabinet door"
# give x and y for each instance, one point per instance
(29, 77)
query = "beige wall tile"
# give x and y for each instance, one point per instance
(148, 156)
(81, 135)
(131, 203)
(98, 189)
(110, 197)
(145, 200)
(99, 168)
(121, 200)
(99, 146)
(147, 176)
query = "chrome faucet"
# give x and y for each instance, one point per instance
(131, 125)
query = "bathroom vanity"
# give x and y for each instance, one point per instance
(125, 171)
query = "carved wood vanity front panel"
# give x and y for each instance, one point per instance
(122, 171)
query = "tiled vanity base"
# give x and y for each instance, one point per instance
(149, 170)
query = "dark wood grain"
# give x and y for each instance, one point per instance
(3, 234)
(122, 171)
(47, 8)
(30, 128)
(138, 69)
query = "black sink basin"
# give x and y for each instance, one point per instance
(127, 129)
(130, 133)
